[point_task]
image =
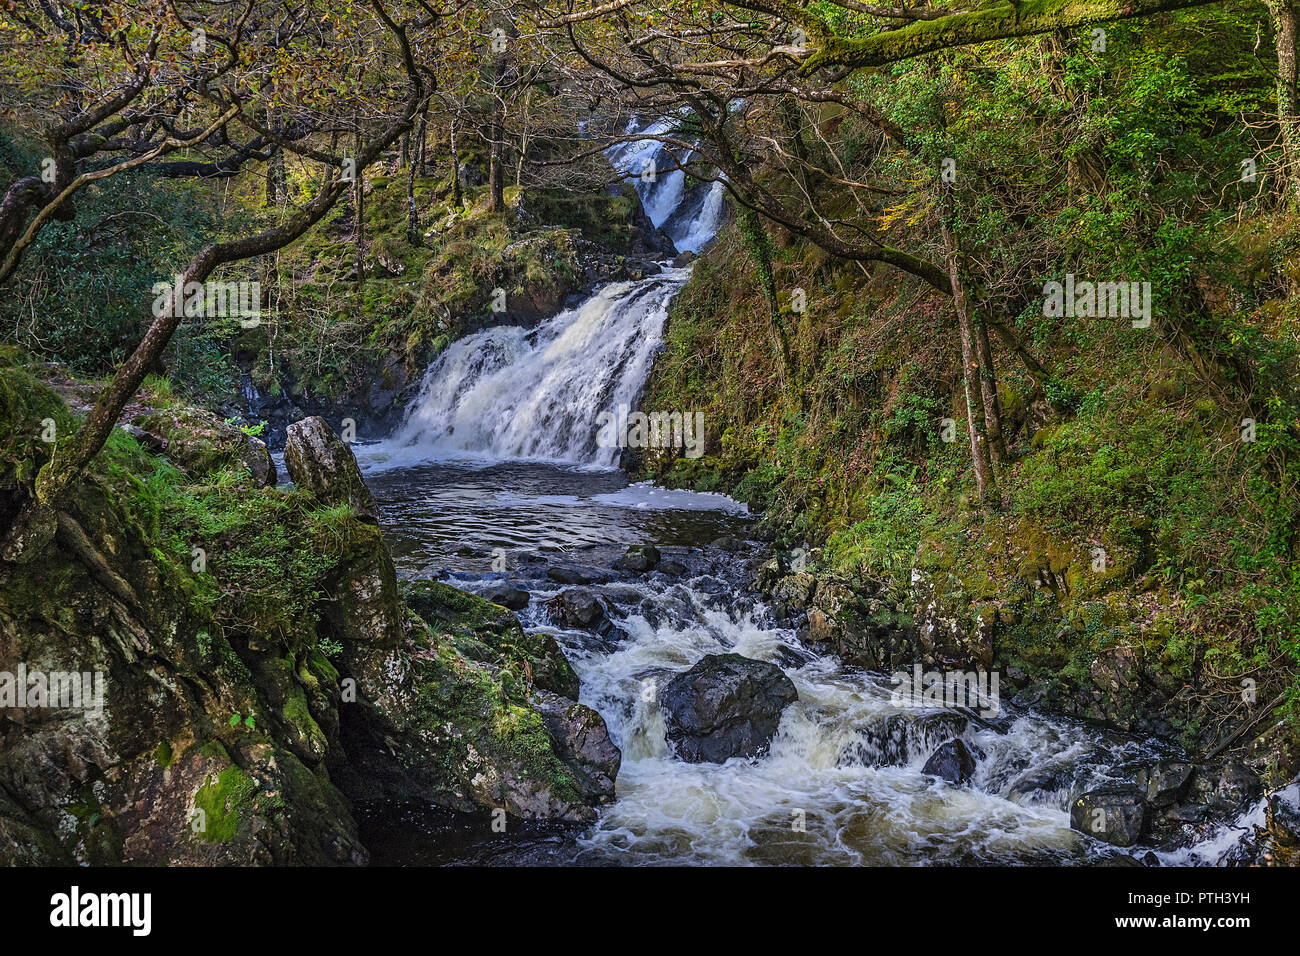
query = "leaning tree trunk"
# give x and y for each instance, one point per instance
(35, 522)
(985, 482)
(33, 526)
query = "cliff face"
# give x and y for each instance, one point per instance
(245, 667)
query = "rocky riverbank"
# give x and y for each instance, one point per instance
(939, 628)
(261, 669)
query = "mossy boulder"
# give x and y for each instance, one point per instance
(489, 633)
(203, 444)
(319, 462)
(433, 724)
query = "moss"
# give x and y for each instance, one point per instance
(98, 839)
(489, 633)
(223, 799)
(163, 755)
(297, 715)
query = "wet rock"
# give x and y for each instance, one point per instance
(953, 761)
(1116, 814)
(725, 706)
(1049, 779)
(582, 742)
(507, 596)
(319, 462)
(202, 443)
(671, 568)
(1164, 782)
(730, 544)
(1225, 786)
(683, 259)
(577, 608)
(1190, 813)
(639, 559)
(1122, 860)
(927, 730)
(1282, 827)
(574, 574)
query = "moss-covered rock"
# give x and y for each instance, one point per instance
(489, 633)
(215, 728)
(203, 444)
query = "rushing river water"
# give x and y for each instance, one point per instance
(496, 474)
(843, 783)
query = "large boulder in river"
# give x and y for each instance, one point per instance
(1112, 814)
(581, 610)
(725, 706)
(202, 443)
(953, 761)
(320, 462)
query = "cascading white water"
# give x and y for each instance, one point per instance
(508, 392)
(689, 216)
(511, 393)
(845, 765)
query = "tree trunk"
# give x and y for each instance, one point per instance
(985, 482)
(359, 222)
(412, 214)
(421, 137)
(455, 166)
(275, 179)
(1286, 24)
(757, 241)
(496, 171)
(989, 389)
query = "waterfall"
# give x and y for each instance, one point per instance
(691, 215)
(507, 392)
(513, 393)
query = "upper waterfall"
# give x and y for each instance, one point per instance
(508, 392)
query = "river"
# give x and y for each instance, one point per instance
(496, 475)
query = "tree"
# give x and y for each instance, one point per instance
(234, 90)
